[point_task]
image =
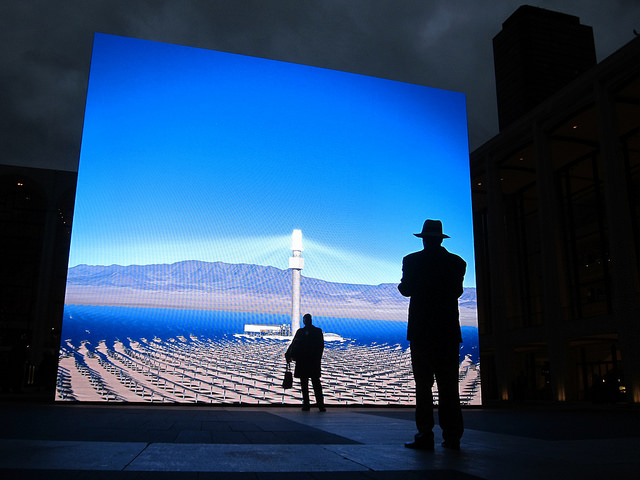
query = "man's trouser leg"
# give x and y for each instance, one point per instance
(423, 375)
(304, 387)
(317, 391)
(449, 411)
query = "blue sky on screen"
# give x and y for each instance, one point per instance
(191, 154)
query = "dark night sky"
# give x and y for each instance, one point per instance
(46, 50)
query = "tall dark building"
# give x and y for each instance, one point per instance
(536, 54)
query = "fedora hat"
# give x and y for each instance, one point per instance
(432, 228)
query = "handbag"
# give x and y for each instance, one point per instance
(288, 378)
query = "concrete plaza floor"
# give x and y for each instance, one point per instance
(45, 441)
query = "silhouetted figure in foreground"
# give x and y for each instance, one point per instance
(433, 279)
(306, 350)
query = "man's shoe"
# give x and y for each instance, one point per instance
(416, 445)
(322, 409)
(305, 408)
(451, 445)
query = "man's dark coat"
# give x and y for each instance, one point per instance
(306, 350)
(433, 279)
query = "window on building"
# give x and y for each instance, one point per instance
(522, 227)
(628, 120)
(586, 252)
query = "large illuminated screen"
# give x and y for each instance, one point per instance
(196, 168)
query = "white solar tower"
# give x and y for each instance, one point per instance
(296, 264)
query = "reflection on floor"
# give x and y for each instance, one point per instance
(232, 370)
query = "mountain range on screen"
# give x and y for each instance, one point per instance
(220, 277)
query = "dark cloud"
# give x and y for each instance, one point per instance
(46, 49)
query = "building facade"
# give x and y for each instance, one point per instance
(556, 200)
(36, 208)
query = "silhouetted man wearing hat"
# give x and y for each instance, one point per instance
(433, 279)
